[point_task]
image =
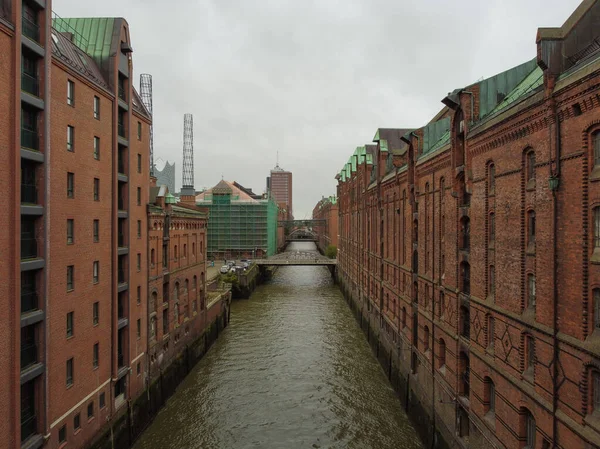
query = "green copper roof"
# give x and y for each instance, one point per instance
(170, 199)
(97, 33)
(494, 90)
(433, 132)
(383, 145)
(534, 80)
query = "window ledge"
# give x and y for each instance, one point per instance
(530, 185)
(593, 420)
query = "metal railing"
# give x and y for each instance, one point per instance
(28, 426)
(28, 248)
(31, 29)
(122, 93)
(30, 139)
(29, 301)
(28, 354)
(30, 84)
(29, 193)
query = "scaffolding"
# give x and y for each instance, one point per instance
(240, 228)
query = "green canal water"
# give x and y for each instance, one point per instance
(292, 370)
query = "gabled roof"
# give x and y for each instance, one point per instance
(138, 104)
(222, 188)
(67, 52)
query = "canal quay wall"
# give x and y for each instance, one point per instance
(429, 408)
(133, 419)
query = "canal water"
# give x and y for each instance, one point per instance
(292, 370)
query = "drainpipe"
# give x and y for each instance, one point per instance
(47, 68)
(554, 184)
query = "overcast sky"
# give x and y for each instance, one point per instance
(312, 79)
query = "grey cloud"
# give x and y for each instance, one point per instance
(310, 79)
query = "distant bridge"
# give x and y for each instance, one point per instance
(302, 235)
(305, 223)
(297, 258)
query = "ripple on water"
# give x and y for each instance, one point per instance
(292, 370)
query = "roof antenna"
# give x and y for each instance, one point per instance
(277, 164)
(221, 176)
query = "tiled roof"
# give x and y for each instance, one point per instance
(64, 50)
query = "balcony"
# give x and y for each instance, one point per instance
(29, 353)
(121, 165)
(31, 29)
(29, 301)
(28, 248)
(29, 139)
(30, 84)
(121, 129)
(121, 240)
(28, 426)
(122, 92)
(28, 194)
(120, 360)
(121, 276)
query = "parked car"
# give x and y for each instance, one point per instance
(245, 264)
(224, 269)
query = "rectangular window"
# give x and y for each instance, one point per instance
(62, 434)
(102, 400)
(139, 133)
(492, 397)
(70, 372)
(70, 324)
(90, 410)
(96, 148)
(139, 159)
(139, 369)
(77, 421)
(531, 226)
(139, 261)
(531, 291)
(530, 356)
(70, 228)
(596, 295)
(165, 321)
(597, 226)
(139, 328)
(96, 230)
(492, 228)
(70, 138)
(70, 185)
(96, 313)
(95, 355)
(96, 107)
(96, 189)
(492, 280)
(596, 140)
(139, 294)
(96, 272)
(70, 93)
(139, 229)
(70, 274)
(139, 196)
(596, 391)
(530, 166)
(530, 429)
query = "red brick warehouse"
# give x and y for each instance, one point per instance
(471, 249)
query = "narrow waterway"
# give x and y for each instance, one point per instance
(292, 370)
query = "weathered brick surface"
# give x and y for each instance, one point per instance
(396, 228)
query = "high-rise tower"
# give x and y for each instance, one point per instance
(187, 180)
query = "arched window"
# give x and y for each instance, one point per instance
(201, 247)
(442, 190)
(465, 373)
(176, 292)
(426, 338)
(491, 179)
(187, 286)
(595, 404)
(529, 355)
(152, 256)
(442, 353)
(176, 313)
(492, 226)
(528, 428)
(465, 274)
(489, 396)
(175, 252)
(530, 166)
(441, 305)
(492, 280)
(465, 230)
(195, 283)
(403, 317)
(184, 250)
(193, 248)
(153, 301)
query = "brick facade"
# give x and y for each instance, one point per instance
(468, 247)
(327, 233)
